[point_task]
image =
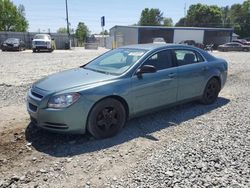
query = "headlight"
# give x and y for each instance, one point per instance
(63, 100)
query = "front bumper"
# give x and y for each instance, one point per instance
(10, 48)
(67, 120)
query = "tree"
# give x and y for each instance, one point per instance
(240, 18)
(168, 22)
(226, 20)
(12, 18)
(82, 32)
(151, 17)
(62, 30)
(200, 15)
(105, 32)
(181, 22)
(236, 16)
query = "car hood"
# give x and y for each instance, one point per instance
(71, 79)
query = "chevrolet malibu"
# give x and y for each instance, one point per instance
(102, 95)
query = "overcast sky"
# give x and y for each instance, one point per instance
(50, 14)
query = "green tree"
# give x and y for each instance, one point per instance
(151, 17)
(200, 15)
(62, 30)
(181, 22)
(82, 32)
(226, 19)
(240, 18)
(11, 17)
(105, 32)
(168, 22)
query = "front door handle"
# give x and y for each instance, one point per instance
(205, 68)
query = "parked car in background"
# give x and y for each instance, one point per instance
(242, 41)
(247, 39)
(192, 43)
(126, 82)
(13, 44)
(159, 40)
(43, 42)
(233, 46)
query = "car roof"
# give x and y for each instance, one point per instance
(153, 46)
(233, 43)
(157, 46)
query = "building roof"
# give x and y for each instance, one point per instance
(152, 46)
(175, 28)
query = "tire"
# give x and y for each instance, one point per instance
(245, 49)
(211, 91)
(106, 118)
(34, 50)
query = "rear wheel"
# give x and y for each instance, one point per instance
(106, 118)
(34, 50)
(211, 91)
(245, 49)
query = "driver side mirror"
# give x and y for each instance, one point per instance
(146, 69)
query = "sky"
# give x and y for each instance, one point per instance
(49, 15)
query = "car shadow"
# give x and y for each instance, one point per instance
(62, 145)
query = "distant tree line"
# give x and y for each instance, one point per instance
(201, 15)
(237, 16)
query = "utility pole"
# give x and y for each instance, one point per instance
(185, 13)
(67, 17)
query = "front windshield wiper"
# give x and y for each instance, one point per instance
(100, 71)
(95, 70)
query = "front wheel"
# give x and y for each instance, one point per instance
(106, 118)
(211, 91)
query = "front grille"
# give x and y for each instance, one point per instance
(40, 43)
(32, 107)
(11, 45)
(36, 95)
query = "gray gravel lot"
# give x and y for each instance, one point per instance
(190, 145)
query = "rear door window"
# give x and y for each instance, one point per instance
(186, 57)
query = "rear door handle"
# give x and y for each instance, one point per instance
(172, 75)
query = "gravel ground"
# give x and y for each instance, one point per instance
(190, 145)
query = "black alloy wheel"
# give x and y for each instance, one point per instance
(211, 91)
(106, 118)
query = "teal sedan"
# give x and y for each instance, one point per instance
(123, 83)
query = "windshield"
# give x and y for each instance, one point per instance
(116, 61)
(40, 37)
